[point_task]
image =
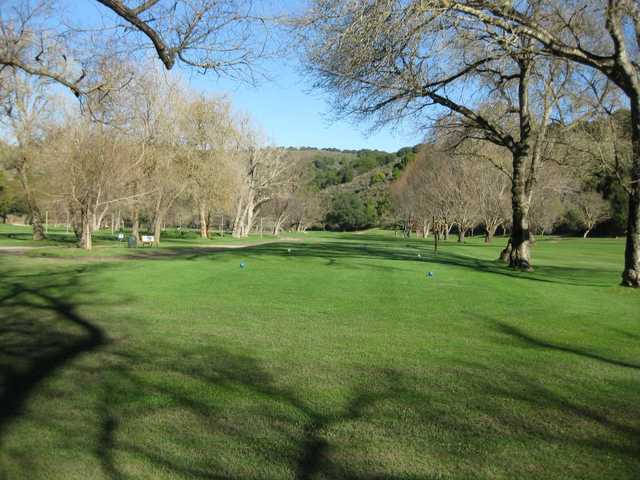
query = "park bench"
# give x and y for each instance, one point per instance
(147, 240)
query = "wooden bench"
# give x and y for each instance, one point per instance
(147, 240)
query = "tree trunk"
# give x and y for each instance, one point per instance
(519, 256)
(631, 274)
(157, 228)
(505, 254)
(135, 223)
(238, 220)
(278, 224)
(461, 234)
(85, 233)
(586, 233)
(37, 224)
(250, 219)
(426, 227)
(99, 218)
(490, 233)
(158, 219)
(32, 205)
(204, 227)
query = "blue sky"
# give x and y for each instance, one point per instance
(293, 115)
(283, 107)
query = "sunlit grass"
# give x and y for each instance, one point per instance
(327, 356)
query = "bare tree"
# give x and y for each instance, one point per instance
(208, 133)
(603, 35)
(394, 60)
(26, 110)
(85, 164)
(591, 209)
(261, 170)
(226, 37)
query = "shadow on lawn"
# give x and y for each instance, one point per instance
(27, 237)
(465, 411)
(41, 331)
(286, 417)
(371, 246)
(333, 251)
(209, 413)
(531, 341)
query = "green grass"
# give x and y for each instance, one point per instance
(340, 359)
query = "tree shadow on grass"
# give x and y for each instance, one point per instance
(210, 413)
(376, 248)
(333, 251)
(278, 427)
(41, 332)
(466, 410)
(531, 341)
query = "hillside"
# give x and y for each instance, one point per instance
(352, 170)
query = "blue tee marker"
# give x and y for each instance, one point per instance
(242, 264)
(430, 274)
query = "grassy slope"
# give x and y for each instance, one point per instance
(340, 359)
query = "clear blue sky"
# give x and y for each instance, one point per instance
(292, 115)
(283, 107)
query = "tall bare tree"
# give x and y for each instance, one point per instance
(391, 60)
(261, 170)
(208, 133)
(26, 110)
(601, 34)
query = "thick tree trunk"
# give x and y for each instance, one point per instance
(505, 254)
(631, 274)
(157, 228)
(37, 224)
(250, 219)
(519, 256)
(85, 230)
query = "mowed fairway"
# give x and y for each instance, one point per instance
(338, 359)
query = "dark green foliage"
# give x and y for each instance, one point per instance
(348, 164)
(383, 204)
(611, 189)
(350, 212)
(406, 155)
(10, 200)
